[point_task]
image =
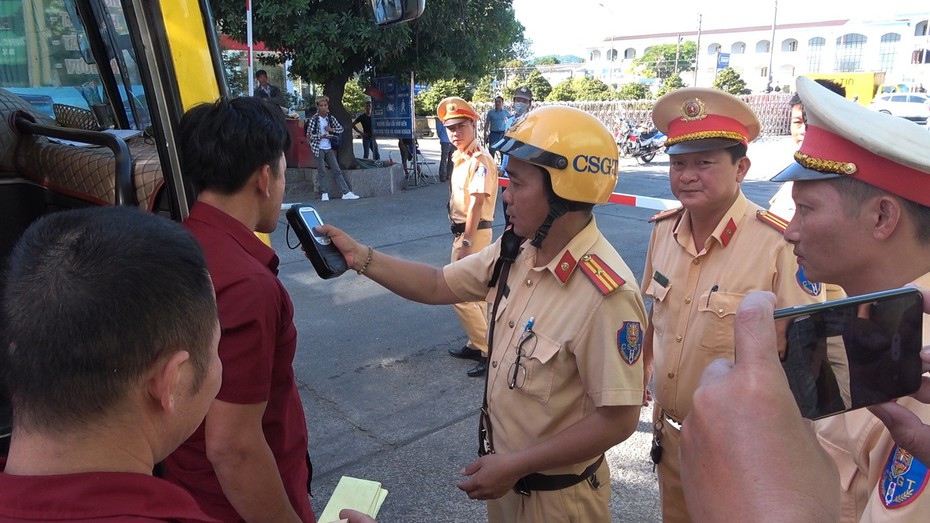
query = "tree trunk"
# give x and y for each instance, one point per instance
(335, 88)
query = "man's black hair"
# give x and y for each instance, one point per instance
(223, 143)
(93, 299)
(261, 72)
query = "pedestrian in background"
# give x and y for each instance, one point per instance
(367, 132)
(495, 123)
(323, 133)
(445, 151)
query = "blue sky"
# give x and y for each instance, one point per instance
(569, 26)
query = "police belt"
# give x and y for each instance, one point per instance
(459, 228)
(544, 482)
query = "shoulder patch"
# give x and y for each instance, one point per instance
(772, 220)
(668, 213)
(603, 277)
(630, 341)
(903, 479)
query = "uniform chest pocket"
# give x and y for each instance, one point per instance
(717, 311)
(658, 293)
(533, 366)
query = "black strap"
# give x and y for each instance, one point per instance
(544, 482)
(459, 228)
(510, 248)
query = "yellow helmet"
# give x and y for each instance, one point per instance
(575, 148)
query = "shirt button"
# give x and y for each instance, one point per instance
(696, 261)
(671, 375)
(719, 311)
(678, 338)
(688, 299)
(510, 324)
(529, 283)
(494, 364)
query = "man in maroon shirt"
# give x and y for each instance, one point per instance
(248, 461)
(111, 327)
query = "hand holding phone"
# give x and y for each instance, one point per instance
(855, 352)
(325, 257)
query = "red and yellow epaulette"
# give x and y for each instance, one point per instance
(775, 221)
(603, 277)
(668, 213)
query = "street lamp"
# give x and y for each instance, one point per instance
(772, 47)
(697, 54)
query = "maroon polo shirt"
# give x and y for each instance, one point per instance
(257, 349)
(95, 496)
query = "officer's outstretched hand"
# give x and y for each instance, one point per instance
(909, 431)
(354, 252)
(491, 476)
(745, 449)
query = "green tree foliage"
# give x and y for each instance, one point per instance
(354, 98)
(659, 60)
(237, 76)
(583, 89)
(330, 41)
(633, 91)
(562, 92)
(592, 89)
(546, 60)
(484, 90)
(730, 81)
(670, 84)
(427, 101)
(538, 85)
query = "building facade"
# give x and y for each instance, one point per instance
(897, 46)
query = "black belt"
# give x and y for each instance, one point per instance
(459, 228)
(544, 482)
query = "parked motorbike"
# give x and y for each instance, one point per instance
(639, 141)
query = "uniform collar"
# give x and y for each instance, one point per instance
(473, 148)
(564, 263)
(726, 227)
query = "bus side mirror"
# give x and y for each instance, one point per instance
(387, 12)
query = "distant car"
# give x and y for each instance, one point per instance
(913, 106)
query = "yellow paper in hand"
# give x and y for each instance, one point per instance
(359, 494)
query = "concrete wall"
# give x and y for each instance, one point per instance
(366, 183)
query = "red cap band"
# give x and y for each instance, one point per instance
(711, 126)
(896, 178)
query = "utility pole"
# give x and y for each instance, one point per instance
(677, 53)
(772, 47)
(697, 55)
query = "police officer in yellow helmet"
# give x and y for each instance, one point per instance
(565, 380)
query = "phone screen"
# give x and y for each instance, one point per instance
(851, 353)
(312, 219)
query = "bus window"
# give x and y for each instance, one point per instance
(47, 59)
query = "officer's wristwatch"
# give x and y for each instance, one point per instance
(466, 242)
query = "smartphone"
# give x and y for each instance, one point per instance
(325, 257)
(846, 354)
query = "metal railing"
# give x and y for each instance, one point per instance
(772, 109)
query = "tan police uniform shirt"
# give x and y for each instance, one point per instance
(474, 172)
(577, 363)
(696, 294)
(880, 482)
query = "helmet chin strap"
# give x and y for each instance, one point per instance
(557, 208)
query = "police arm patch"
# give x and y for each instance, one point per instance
(903, 479)
(810, 287)
(630, 341)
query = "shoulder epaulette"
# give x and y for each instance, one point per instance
(603, 277)
(668, 213)
(773, 220)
